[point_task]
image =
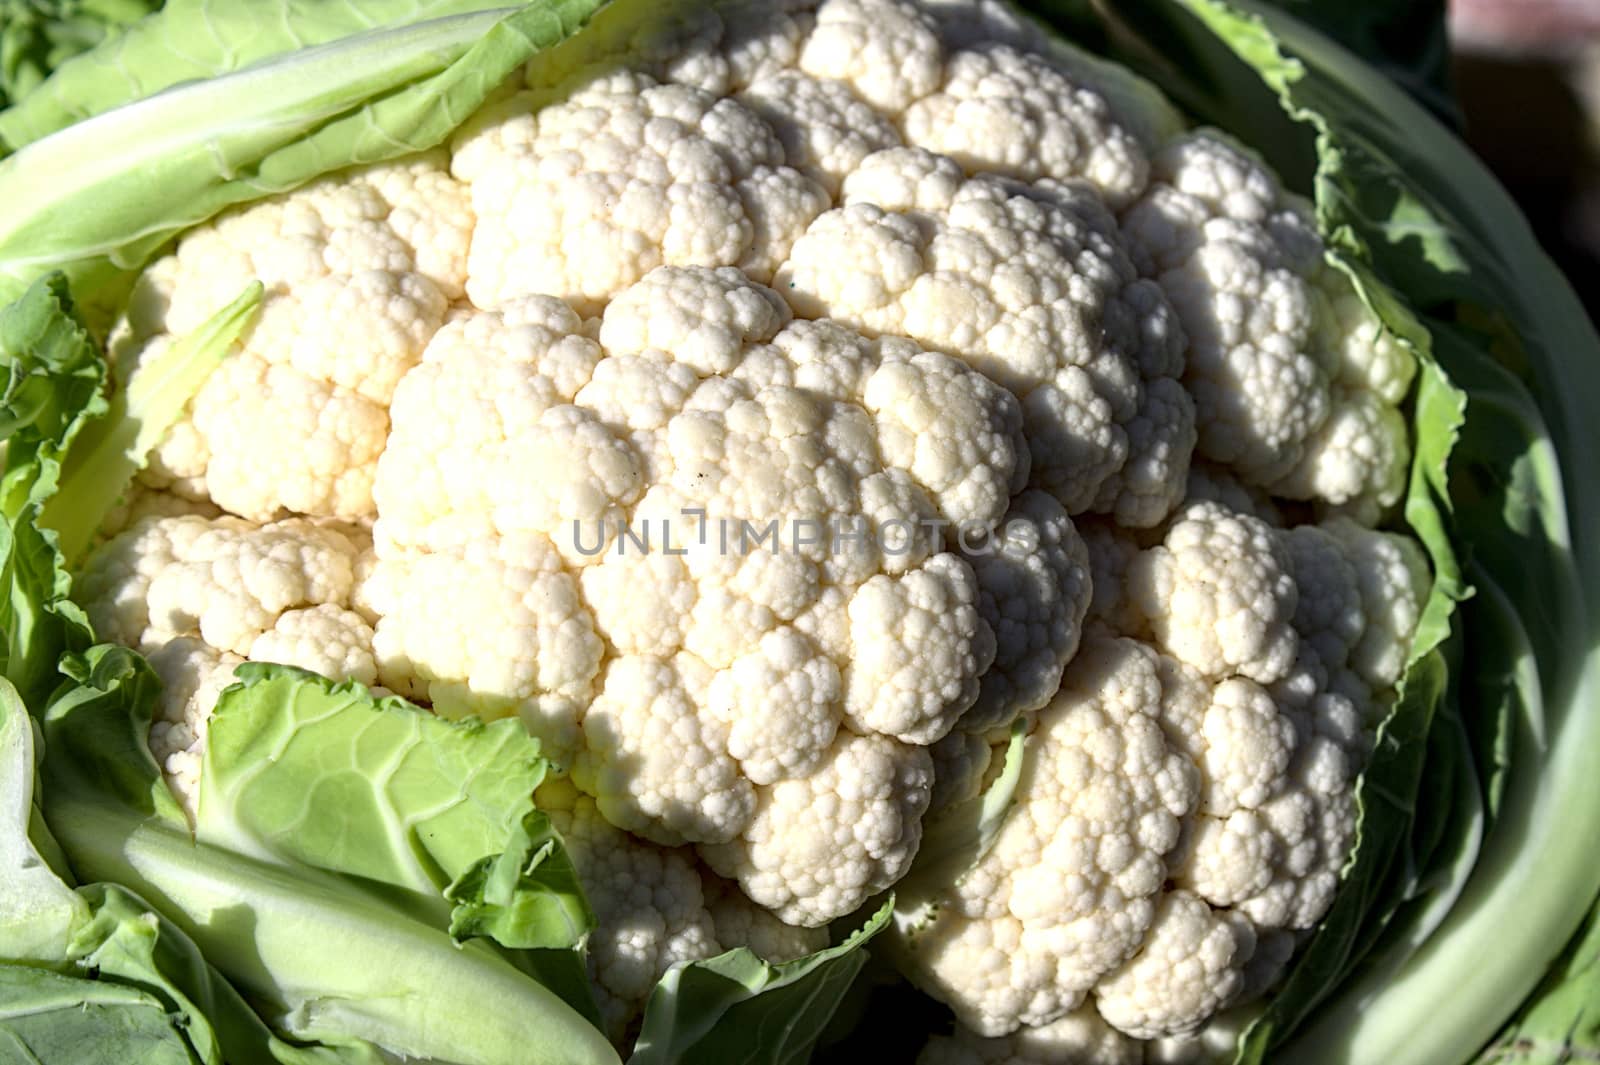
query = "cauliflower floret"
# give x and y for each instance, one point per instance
(193, 676)
(495, 628)
(492, 397)
(1190, 966)
(1112, 552)
(325, 639)
(920, 646)
(1215, 484)
(649, 910)
(1394, 581)
(961, 764)
(1070, 888)
(1030, 285)
(1219, 595)
(224, 580)
(741, 923)
(1295, 381)
(825, 129)
(886, 51)
(1002, 111)
(657, 766)
(779, 703)
(1265, 723)
(583, 197)
(971, 467)
(358, 271)
(654, 908)
(821, 845)
(1033, 577)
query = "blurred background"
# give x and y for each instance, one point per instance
(1527, 79)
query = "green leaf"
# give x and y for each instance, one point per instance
(54, 387)
(37, 910)
(94, 974)
(99, 198)
(37, 36)
(528, 896)
(127, 942)
(1409, 43)
(49, 1018)
(303, 770)
(1561, 1022)
(737, 1007)
(115, 446)
(198, 39)
(338, 960)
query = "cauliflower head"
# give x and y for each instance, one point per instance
(769, 404)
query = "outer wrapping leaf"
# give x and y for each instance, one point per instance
(528, 896)
(301, 769)
(94, 975)
(956, 837)
(737, 1008)
(197, 39)
(104, 458)
(127, 942)
(1561, 1023)
(327, 959)
(1408, 42)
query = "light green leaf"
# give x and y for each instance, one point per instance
(37, 910)
(128, 943)
(37, 36)
(198, 39)
(955, 838)
(738, 1008)
(94, 974)
(528, 896)
(333, 959)
(49, 1018)
(1561, 1023)
(302, 770)
(115, 446)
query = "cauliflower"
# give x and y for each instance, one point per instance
(1188, 797)
(768, 405)
(654, 907)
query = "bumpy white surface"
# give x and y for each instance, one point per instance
(1264, 707)
(654, 908)
(819, 263)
